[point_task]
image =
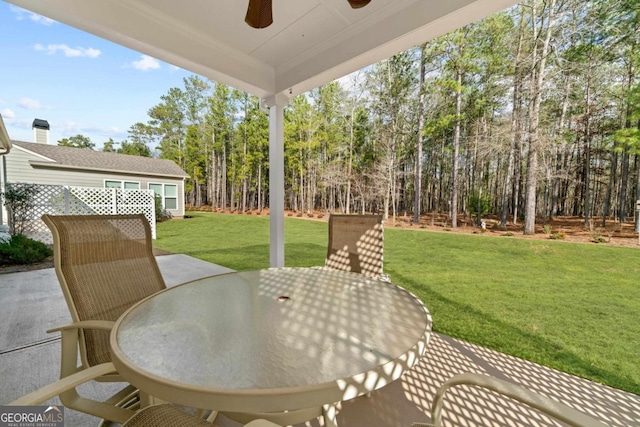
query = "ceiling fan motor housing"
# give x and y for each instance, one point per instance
(260, 12)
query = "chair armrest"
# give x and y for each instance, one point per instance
(64, 384)
(542, 403)
(104, 325)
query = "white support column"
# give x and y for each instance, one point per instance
(276, 179)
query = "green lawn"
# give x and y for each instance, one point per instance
(573, 307)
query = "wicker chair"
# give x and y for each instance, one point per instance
(104, 264)
(164, 415)
(356, 244)
(550, 407)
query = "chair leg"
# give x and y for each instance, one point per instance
(126, 398)
(202, 414)
(329, 413)
(71, 399)
(148, 400)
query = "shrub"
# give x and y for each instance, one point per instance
(23, 250)
(161, 214)
(546, 229)
(596, 238)
(18, 198)
(558, 236)
(508, 234)
(479, 205)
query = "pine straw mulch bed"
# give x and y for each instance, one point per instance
(573, 229)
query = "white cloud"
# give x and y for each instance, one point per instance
(74, 128)
(69, 52)
(146, 63)
(41, 19)
(22, 14)
(30, 103)
(7, 113)
(107, 130)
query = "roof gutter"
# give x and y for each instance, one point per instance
(5, 142)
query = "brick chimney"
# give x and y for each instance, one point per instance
(40, 131)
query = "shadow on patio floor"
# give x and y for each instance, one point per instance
(399, 404)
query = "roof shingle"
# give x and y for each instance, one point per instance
(113, 162)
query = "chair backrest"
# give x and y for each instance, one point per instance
(104, 264)
(356, 244)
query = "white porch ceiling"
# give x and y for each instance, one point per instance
(310, 42)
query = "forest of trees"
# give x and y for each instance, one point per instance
(529, 114)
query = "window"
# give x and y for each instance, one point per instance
(170, 196)
(168, 193)
(131, 185)
(127, 185)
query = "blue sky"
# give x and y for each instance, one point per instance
(79, 83)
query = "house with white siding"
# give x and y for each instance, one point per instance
(43, 163)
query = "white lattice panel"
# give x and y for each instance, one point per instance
(65, 200)
(137, 201)
(97, 201)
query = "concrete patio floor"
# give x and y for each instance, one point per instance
(29, 358)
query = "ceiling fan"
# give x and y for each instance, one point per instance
(259, 12)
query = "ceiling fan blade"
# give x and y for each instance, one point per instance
(357, 4)
(259, 14)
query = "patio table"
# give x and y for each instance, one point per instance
(285, 344)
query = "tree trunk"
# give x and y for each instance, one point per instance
(456, 150)
(560, 151)
(245, 168)
(612, 180)
(515, 128)
(417, 198)
(637, 228)
(350, 161)
(624, 179)
(537, 79)
(587, 157)
(223, 177)
(259, 189)
(624, 175)
(213, 179)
